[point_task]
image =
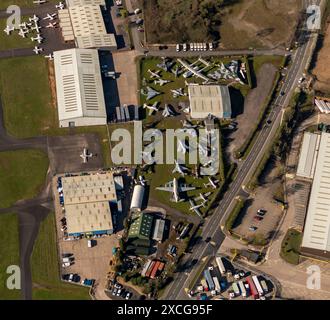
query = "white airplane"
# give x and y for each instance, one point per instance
(194, 207)
(36, 27)
(178, 93)
(161, 82)
(51, 25)
(50, 16)
(213, 184)
(142, 181)
(60, 6)
(8, 30)
(23, 25)
(50, 57)
(167, 111)
(85, 155)
(34, 18)
(23, 33)
(37, 50)
(179, 168)
(203, 197)
(175, 188)
(154, 74)
(152, 109)
(39, 1)
(38, 38)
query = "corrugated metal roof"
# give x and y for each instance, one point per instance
(209, 99)
(317, 226)
(79, 84)
(308, 155)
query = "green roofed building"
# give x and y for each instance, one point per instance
(141, 226)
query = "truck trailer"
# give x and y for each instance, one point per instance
(209, 279)
(242, 288)
(217, 287)
(221, 267)
(258, 285)
(253, 290)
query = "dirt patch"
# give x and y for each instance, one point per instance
(253, 105)
(322, 68)
(52, 82)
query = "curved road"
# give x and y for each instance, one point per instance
(246, 170)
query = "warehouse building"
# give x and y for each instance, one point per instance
(316, 238)
(308, 155)
(208, 100)
(87, 203)
(79, 89)
(159, 229)
(83, 23)
(137, 198)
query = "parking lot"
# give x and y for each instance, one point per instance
(86, 262)
(233, 274)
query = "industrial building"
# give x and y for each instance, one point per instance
(159, 230)
(83, 23)
(208, 100)
(79, 89)
(137, 198)
(308, 155)
(141, 226)
(316, 238)
(87, 203)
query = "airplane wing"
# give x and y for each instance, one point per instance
(168, 187)
(185, 188)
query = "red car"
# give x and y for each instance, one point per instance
(258, 218)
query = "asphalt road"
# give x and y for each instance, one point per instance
(246, 170)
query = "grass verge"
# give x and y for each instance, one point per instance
(290, 246)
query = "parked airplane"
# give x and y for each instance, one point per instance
(167, 112)
(154, 74)
(176, 72)
(150, 93)
(194, 207)
(50, 16)
(51, 25)
(23, 25)
(212, 183)
(36, 27)
(161, 82)
(34, 18)
(60, 6)
(175, 188)
(38, 38)
(187, 124)
(152, 109)
(50, 57)
(8, 30)
(37, 50)
(178, 93)
(166, 65)
(85, 155)
(39, 1)
(203, 197)
(22, 32)
(179, 168)
(182, 147)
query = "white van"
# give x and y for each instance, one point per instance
(89, 243)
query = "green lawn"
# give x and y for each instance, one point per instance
(9, 253)
(22, 175)
(45, 269)
(26, 96)
(14, 41)
(291, 246)
(258, 61)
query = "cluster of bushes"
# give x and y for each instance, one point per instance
(234, 214)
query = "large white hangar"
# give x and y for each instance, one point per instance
(83, 23)
(316, 239)
(79, 89)
(209, 99)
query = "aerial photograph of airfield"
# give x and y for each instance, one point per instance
(186, 159)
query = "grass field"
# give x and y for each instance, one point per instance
(45, 269)
(291, 246)
(258, 61)
(9, 253)
(14, 41)
(26, 96)
(22, 174)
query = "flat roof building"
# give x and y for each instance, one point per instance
(308, 155)
(83, 23)
(79, 88)
(316, 238)
(209, 99)
(159, 230)
(87, 201)
(141, 226)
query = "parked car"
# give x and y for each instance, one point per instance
(70, 277)
(66, 264)
(253, 228)
(128, 295)
(114, 291)
(261, 212)
(258, 218)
